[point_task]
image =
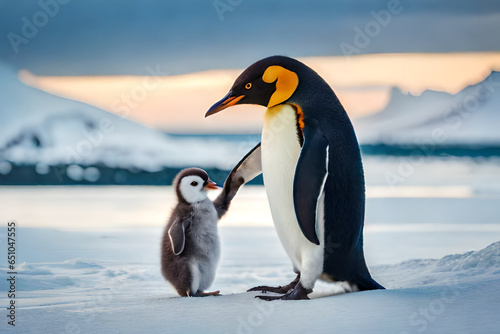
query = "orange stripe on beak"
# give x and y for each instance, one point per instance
(227, 101)
(233, 100)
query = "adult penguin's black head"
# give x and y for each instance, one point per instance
(268, 82)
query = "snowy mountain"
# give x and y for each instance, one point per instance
(41, 130)
(470, 117)
(45, 130)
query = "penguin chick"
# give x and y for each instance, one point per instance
(190, 247)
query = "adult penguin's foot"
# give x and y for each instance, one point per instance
(298, 293)
(277, 289)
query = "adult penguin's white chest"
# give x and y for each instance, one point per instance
(280, 153)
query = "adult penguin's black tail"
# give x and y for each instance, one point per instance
(368, 283)
(362, 277)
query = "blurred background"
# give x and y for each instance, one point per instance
(102, 102)
(114, 93)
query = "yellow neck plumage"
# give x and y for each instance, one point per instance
(286, 84)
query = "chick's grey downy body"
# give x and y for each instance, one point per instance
(194, 269)
(190, 248)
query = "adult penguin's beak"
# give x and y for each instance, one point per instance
(229, 100)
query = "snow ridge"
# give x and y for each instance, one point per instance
(469, 266)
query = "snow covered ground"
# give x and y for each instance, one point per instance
(88, 260)
(116, 287)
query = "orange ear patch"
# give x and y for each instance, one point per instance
(286, 83)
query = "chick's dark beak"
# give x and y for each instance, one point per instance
(211, 185)
(229, 100)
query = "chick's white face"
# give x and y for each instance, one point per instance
(192, 189)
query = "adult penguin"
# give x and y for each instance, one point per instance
(313, 174)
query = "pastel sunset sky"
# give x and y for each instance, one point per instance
(178, 103)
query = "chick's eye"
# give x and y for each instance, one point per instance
(248, 85)
(194, 183)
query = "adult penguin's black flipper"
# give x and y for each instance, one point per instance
(245, 171)
(310, 177)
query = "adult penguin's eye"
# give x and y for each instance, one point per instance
(194, 183)
(248, 85)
